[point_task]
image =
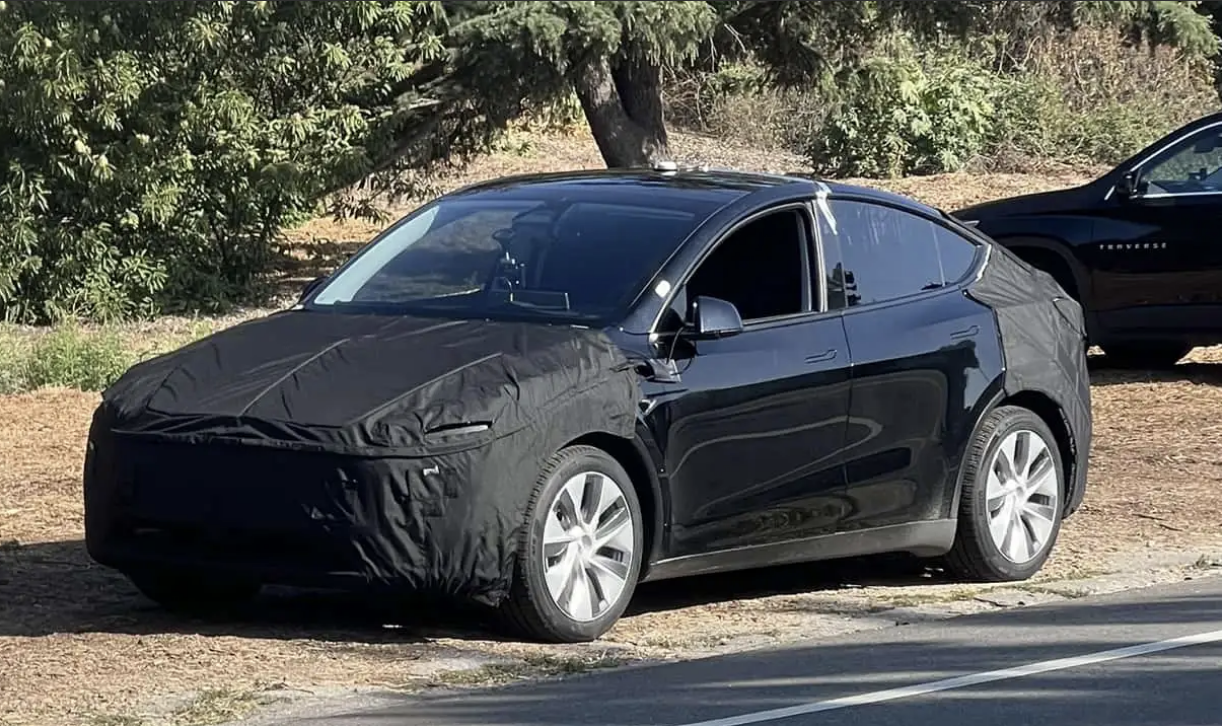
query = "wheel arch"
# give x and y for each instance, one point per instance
(1051, 413)
(634, 456)
(1033, 250)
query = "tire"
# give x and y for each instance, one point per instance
(534, 609)
(977, 554)
(192, 593)
(1146, 356)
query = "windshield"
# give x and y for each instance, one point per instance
(565, 260)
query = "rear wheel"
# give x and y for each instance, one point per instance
(1149, 356)
(578, 562)
(1012, 500)
(191, 593)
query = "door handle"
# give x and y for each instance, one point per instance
(971, 332)
(829, 354)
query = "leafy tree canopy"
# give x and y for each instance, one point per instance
(612, 54)
(153, 150)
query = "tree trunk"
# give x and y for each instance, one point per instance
(623, 106)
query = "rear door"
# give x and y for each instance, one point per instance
(923, 355)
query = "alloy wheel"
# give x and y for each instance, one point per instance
(1023, 495)
(587, 547)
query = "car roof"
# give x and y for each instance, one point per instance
(724, 185)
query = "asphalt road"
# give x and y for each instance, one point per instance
(1125, 666)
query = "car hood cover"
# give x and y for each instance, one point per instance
(366, 382)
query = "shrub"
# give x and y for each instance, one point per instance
(88, 359)
(1091, 98)
(69, 357)
(1081, 98)
(907, 114)
(736, 102)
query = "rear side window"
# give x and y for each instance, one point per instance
(956, 253)
(888, 254)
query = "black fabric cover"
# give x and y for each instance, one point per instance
(1043, 333)
(314, 440)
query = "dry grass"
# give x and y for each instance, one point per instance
(78, 646)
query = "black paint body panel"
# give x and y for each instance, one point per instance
(1145, 268)
(828, 434)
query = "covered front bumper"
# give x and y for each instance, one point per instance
(441, 525)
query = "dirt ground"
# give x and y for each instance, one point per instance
(79, 646)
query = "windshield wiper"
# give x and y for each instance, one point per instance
(538, 299)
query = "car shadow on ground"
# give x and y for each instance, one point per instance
(54, 588)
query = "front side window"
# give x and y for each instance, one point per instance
(887, 254)
(1193, 166)
(576, 260)
(760, 268)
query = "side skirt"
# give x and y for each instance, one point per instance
(922, 539)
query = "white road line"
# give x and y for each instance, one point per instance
(974, 679)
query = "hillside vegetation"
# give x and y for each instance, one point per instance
(198, 160)
(157, 152)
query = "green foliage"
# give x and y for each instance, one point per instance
(533, 47)
(70, 355)
(153, 150)
(64, 357)
(905, 114)
(1086, 97)
(1090, 99)
(67, 357)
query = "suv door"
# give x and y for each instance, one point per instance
(753, 432)
(1158, 252)
(923, 356)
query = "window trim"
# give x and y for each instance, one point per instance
(972, 272)
(808, 298)
(1155, 156)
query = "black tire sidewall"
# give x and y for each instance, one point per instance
(1148, 356)
(569, 463)
(1008, 421)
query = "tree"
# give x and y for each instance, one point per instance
(1212, 11)
(153, 151)
(611, 54)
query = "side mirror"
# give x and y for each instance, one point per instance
(310, 287)
(1129, 186)
(714, 318)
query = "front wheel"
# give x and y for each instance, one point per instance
(1012, 501)
(580, 556)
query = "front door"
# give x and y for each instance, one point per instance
(753, 432)
(1158, 252)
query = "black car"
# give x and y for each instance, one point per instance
(534, 393)
(1138, 247)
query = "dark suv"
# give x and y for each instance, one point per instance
(1138, 247)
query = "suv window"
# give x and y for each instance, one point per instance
(888, 253)
(760, 268)
(1195, 165)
